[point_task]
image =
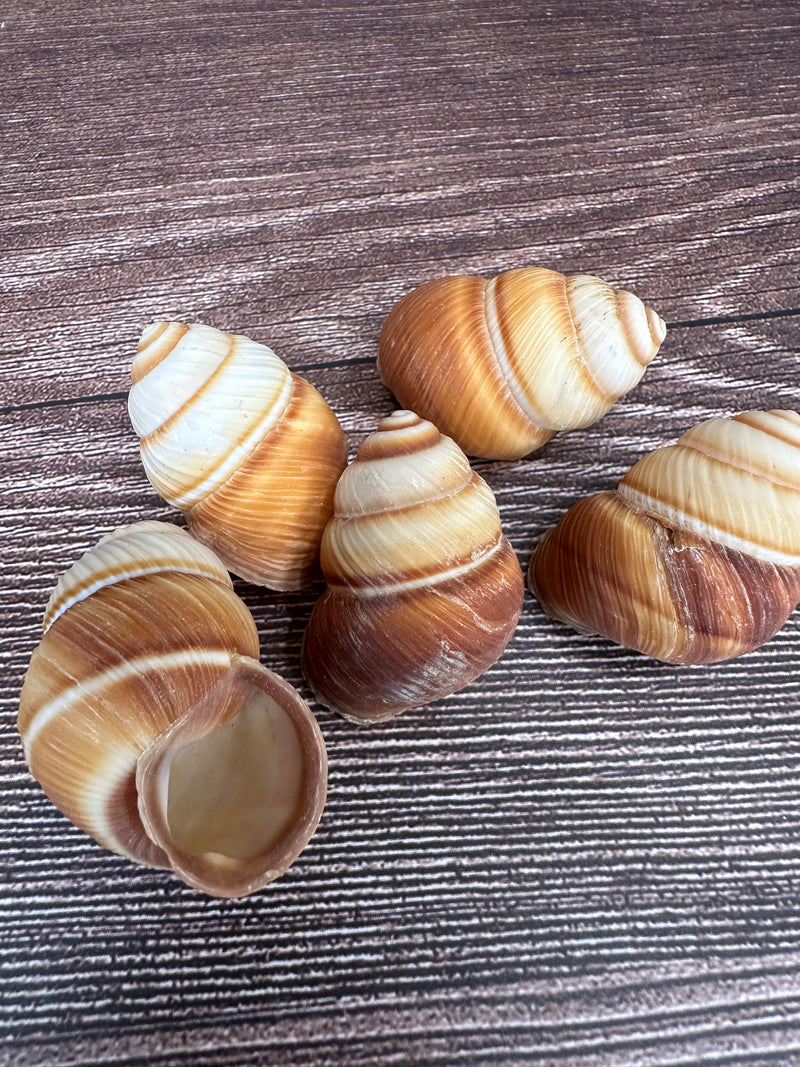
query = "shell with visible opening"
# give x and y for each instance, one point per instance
(149, 722)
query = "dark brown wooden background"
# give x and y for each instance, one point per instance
(585, 858)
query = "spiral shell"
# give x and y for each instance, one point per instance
(249, 451)
(424, 591)
(501, 365)
(148, 721)
(695, 557)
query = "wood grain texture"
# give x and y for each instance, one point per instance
(586, 857)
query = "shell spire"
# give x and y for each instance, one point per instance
(502, 365)
(249, 451)
(695, 557)
(424, 590)
(149, 722)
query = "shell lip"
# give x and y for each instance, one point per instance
(210, 871)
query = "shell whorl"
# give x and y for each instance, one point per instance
(249, 451)
(695, 557)
(186, 453)
(424, 591)
(410, 511)
(732, 481)
(501, 365)
(131, 552)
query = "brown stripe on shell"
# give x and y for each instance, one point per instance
(656, 325)
(781, 421)
(203, 392)
(623, 298)
(158, 346)
(395, 438)
(751, 469)
(157, 330)
(628, 305)
(393, 448)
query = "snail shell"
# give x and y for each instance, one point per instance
(501, 365)
(148, 721)
(249, 451)
(695, 557)
(424, 591)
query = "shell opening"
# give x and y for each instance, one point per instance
(233, 791)
(237, 791)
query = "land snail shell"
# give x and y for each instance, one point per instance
(424, 590)
(249, 451)
(695, 558)
(149, 722)
(502, 365)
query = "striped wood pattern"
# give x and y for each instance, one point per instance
(585, 858)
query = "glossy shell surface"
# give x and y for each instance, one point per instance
(424, 590)
(501, 365)
(249, 451)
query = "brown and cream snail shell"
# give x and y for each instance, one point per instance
(695, 557)
(424, 590)
(502, 365)
(149, 722)
(249, 451)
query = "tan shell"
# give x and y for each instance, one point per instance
(501, 365)
(146, 677)
(695, 557)
(249, 451)
(424, 591)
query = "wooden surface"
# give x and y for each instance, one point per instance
(586, 857)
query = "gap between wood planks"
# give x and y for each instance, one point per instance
(331, 364)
